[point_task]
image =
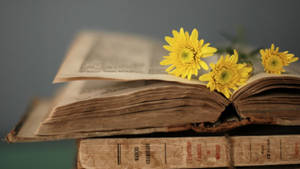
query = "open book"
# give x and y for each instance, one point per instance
(118, 87)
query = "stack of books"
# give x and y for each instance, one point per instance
(126, 112)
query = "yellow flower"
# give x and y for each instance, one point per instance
(227, 74)
(273, 60)
(185, 53)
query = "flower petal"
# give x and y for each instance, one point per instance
(167, 47)
(205, 77)
(203, 65)
(194, 35)
(169, 40)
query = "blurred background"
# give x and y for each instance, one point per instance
(34, 37)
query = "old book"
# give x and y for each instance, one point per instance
(189, 152)
(98, 108)
(141, 98)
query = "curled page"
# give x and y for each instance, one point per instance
(115, 56)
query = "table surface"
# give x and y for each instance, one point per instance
(57, 154)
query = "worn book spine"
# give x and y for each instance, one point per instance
(189, 152)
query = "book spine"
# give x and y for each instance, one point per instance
(192, 152)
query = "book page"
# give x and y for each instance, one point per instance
(261, 78)
(77, 91)
(25, 130)
(270, 98)
(128, 105)
(102, 55)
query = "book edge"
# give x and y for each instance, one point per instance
(12, 136)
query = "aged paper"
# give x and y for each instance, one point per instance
(111, 105)
(102, 55)
(25, 131)
(117, 56)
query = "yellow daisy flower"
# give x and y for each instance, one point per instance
(273, 60)
(227, 74)
(185, 53)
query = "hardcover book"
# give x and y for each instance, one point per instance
(189, 152)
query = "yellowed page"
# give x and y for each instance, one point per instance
(25, 130)
(258, 78)
(103, 55)
(97, 101)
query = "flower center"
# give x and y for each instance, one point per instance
(275, 63)
(225, 76)
(187, 55)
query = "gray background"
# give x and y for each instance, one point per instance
(34, 35)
